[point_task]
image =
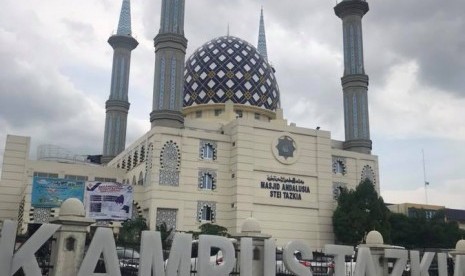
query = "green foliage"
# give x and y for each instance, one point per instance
(210, 229)
(131, 231)
(420, 231)
(165, 234)
(358, 212)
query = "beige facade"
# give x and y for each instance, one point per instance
(245, 168)
(246, 156)
(16, 181)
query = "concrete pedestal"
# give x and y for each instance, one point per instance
(69, 241)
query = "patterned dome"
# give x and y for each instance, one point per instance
(229, 68)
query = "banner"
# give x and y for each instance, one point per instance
(51, 192)
(108, 200)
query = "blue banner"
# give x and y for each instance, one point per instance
(51, 192)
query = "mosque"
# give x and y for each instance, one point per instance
(219, 149)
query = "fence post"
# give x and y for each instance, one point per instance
(70, 240)
(252, 229)
(459, 258)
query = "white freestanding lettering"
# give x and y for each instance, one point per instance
(269, 263)
(292, 263)
(339, 252)
(179, 261)
(206, 268)
(151, 255)
(459, 265)
(401, 257)
(246, 257)
(365, 264)
(417, 268)
(442, 264)
(102, 242)
(7, 245)
(25, 257)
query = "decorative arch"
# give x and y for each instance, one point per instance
(368, 173)
(170, 162)
(339, 165)
(141, 179)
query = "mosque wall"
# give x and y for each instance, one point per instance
(246, 169)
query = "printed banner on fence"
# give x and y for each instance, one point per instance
(51, 192)
(108, 200)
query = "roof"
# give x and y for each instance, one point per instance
(455, 214)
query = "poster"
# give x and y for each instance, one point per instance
(108, 200)
(51, 192)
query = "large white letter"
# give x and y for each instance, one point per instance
(339, 252)
(246, 257)
(179, 261)
(206, 268)
(269, 263)
(442, 264)
(102, 242)
(459, 265)
(290, 260)
(417, 268)
(151, 255)
(401, 257)
(7, 245)
(25, 257)
(365, 264)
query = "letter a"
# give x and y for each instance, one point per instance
(102, 242)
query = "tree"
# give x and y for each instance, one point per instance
(165, 233)
(210, 229)
(421, 231)
(358, 212)
(131, 231)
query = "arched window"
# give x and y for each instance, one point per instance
(136, 157)
(207, 179)
(207, 213)
(207, 182)
(368, 173)
(129, 163)
(339, 165)
(134, 180)
(141, 179)
(208, 150)
(142, 153)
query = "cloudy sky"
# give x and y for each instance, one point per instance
(56, 67)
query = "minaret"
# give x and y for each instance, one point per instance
(261, 46)
(170, 51)
(117, 105)
(354, 81)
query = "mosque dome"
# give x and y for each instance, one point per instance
(229, 68)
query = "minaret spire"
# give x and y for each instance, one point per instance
(117, 106)
(354, 81)
(124, 24)
(170, 52)
(261, 46)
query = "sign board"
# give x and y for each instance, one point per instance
(51, 192)
(108, 200)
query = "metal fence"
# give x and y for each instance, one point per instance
(128, 257)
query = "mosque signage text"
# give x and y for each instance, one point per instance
(179, 260)
(285, 187)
